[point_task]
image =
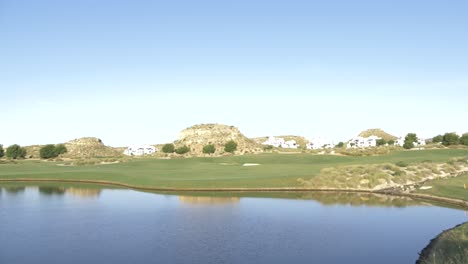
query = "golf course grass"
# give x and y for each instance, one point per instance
(272, 171)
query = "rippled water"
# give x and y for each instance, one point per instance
(54, 224)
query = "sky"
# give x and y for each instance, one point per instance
(140, 71)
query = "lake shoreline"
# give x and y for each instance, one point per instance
(452, 201)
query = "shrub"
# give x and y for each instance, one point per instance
(168, 148)
(391, 142)
(267, 147)
(410, 139)
(340, 144)
(182, 150)
(381, 142)
(230, 146)
(463, 140)
(408, 145)
(401, 164)
(47, 152)
(2, 151)
(15, 151)
(450, 139)
(437, 139)
(209, 149)
(60, 149)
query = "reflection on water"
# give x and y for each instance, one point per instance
(208, 199)
(126, 226)
(51, 190)
(14, 189)
(55, 190)
(83, 192)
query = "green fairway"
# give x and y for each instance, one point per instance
(274, 170)
(450, 187)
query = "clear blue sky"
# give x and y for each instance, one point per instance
(140, 71)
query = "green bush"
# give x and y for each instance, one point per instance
(60, 149)
(209, 149)
(381, 142)
(168, 148)
(391, 142)
(230, 146)
(267, 147)
(463, 140)
(410, 139)
(450, 139)
(15, 151)
(437, 139)
(182, 150)
(2, 151)
(340, 144)
(401, 164)
(47, 152)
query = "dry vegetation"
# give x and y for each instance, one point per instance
(387, 175)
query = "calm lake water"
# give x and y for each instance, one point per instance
(53, 224)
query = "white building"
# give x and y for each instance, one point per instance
(363, 142)
(401, 141)
(320, 143)
(280, 142)
(138, 150)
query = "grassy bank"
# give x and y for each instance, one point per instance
(450, 247)
(274, 170)
(450, 187)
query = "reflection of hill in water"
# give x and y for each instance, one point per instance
(361, 199)
(83, 192)
(75, 191)
(208, 199)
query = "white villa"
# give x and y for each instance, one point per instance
(138, 150)
(363, 142)
(280, 142)
(319, 143)
(401, 141)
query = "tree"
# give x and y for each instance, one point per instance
(340, 144)
(464, 139)
(230, 146)
(182, 150)
(381, 142)
(48, 151)
(60, 149)
(391, 142)
(437, 139)
(450, 139)
(15, 151)
(2, 151)
(168, 148)
(410, 139)
(209, 149)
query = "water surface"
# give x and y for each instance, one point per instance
(56, 224)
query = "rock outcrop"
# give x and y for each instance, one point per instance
(89, 147)
(377, 132)
(198, 136)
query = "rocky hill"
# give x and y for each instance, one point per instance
(89, 147)
(198, 136)
(377, 132)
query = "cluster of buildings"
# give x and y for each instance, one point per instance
(316, 143)
(281, 143)
(323, 143)
(139, 150)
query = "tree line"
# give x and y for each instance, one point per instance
(229, 146)
(15, 151)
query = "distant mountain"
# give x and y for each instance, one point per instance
(377, 132)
